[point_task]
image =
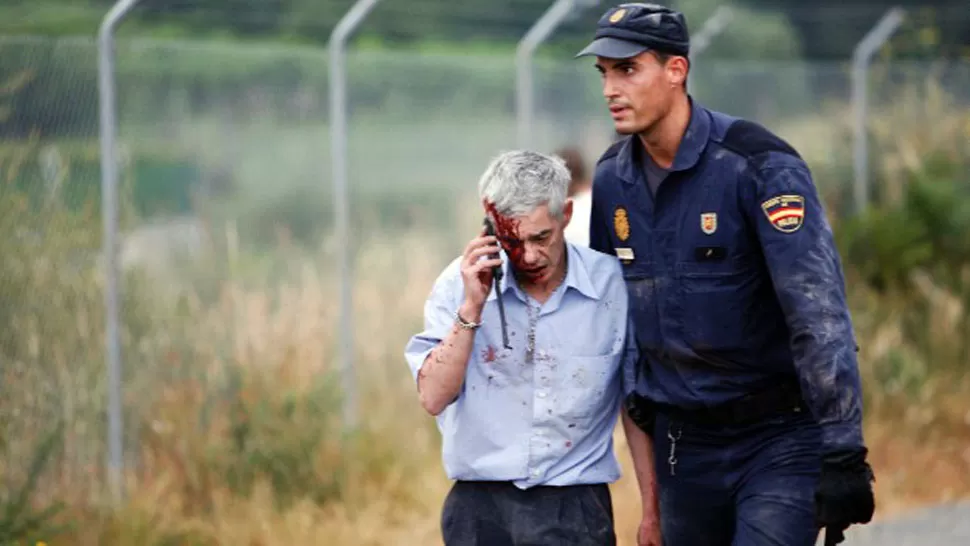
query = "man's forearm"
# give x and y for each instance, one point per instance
(443, 372)
(641, 451)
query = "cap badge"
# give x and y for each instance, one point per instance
(617, 15)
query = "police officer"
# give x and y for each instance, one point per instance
(748, 383)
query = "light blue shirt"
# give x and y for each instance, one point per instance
(549, 421)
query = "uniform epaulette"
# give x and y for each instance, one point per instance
(750, 139)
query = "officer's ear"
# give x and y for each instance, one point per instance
(676, 68)
(567, 212)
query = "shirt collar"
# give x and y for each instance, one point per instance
(692, 145)
(577, 277)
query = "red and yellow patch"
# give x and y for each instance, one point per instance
(786, 213)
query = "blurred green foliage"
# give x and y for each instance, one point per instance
(928, 230)
(762, 28)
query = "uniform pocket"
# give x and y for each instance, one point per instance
(714, 308)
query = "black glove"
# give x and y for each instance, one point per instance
(641, 412)
(844, 495)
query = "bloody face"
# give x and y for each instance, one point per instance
(533, 242)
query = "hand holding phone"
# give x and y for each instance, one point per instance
(479, 263)
(497, 277)
(490, 231)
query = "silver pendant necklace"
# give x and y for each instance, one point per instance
(533, 306)
(533, 322)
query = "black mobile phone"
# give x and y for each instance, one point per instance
(490, 230)
(496, 277)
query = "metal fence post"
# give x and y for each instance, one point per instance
(714, 25)
(861, 58)
(338, 150)
(524, 88)
(109, 214)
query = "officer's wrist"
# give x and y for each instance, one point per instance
(850, 461)
(841, 437)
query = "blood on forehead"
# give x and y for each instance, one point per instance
(507, 231)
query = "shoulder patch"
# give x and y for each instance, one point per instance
(750, 139)
(786, 213)
(612, 151)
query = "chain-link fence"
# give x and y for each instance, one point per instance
(225, 187)
(227, 219)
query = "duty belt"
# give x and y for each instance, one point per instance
(785, 398)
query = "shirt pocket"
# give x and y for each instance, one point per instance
(713, 300)
(586, 385)
(594, 328)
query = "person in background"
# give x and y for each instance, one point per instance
(580, 191)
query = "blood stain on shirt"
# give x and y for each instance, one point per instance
(489, 354)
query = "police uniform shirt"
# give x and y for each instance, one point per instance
(735, 284)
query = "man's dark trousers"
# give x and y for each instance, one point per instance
(747, 485)
(500, 514)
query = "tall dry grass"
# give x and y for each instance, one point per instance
(232, 392)
(908, 272)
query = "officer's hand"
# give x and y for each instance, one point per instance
(844, 495)
(476, 271)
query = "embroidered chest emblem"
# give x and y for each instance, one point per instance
(709, 222)
(621, 224)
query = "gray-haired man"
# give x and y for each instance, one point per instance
(527, 429)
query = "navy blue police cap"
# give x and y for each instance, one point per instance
(628, 30)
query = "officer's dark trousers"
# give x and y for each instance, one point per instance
(749, 485)
(500, 514)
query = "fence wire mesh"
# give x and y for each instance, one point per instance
(227, 212)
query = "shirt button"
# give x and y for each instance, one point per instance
(541, 394)
(535, 473)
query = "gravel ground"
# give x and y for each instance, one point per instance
(945, 525)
